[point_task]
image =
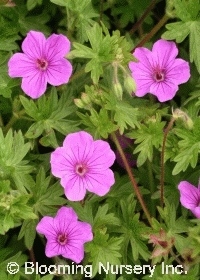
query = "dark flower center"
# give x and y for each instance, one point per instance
(81, 169)
(62, 239)
(159, 76)
(42, 64)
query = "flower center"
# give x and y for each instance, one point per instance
(159, 76)
(42, 64)
(81, 169)
(62, 239)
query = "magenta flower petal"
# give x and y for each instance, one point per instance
(190, 197)
(74, 187)
(62, 212)
(56, 46)
(44, 225)
(60, 162)
(179, 71)
(81, 145)
(59, 72)
(75, 255)
(196, 212)
(165, 52)
(101, 182)
(65, 234)
(83, 164)
(22, 69)
(34, 85)
(103, 156)
(142, 72)
(158, 72)
(33, 44)
(41, 63)
(143, 86)
(145, 57)
(164, 91)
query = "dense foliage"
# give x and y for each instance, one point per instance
(117, 82)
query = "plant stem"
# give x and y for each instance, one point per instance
(128, 169)
(141, 19)
(14, 118)
(152, 187)
(157, 27)
(32, 256)
(162, 177)
(176, 258)
(101, 10)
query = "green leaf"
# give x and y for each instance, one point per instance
(82, 51)
(189, 147)
(105, 49)
(194, 43)
(103, 218)
(35, 130)
(177, 31)
(94, 66)
(180, 30)
(28, 232)
(132, 230)
(81, 12)
(12, 151)
(147, 137)
(31, 4)
(29, 106)
(84, 213)
(187, 10)
(50, 113)
(45, 195)
(18, 258)
(103, 250)
(124, 114)
(95, 36)
(64, 126)
(98, 125)
(186, 157)
(168, 214)
(49, 139)
(59, 2)
(14, 208)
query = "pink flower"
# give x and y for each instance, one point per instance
(65, 234)
(158, 71)
(83, 164)
(42, 62)
(190, 197)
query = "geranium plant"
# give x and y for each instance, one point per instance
(99, 139)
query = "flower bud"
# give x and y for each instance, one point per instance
(179, 114)
(117, 88)
(129, 84)
(79, 103)
(85, 98)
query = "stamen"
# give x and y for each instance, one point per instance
(81, 169)
(42, 64)
(62, 239)
(159, 76)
